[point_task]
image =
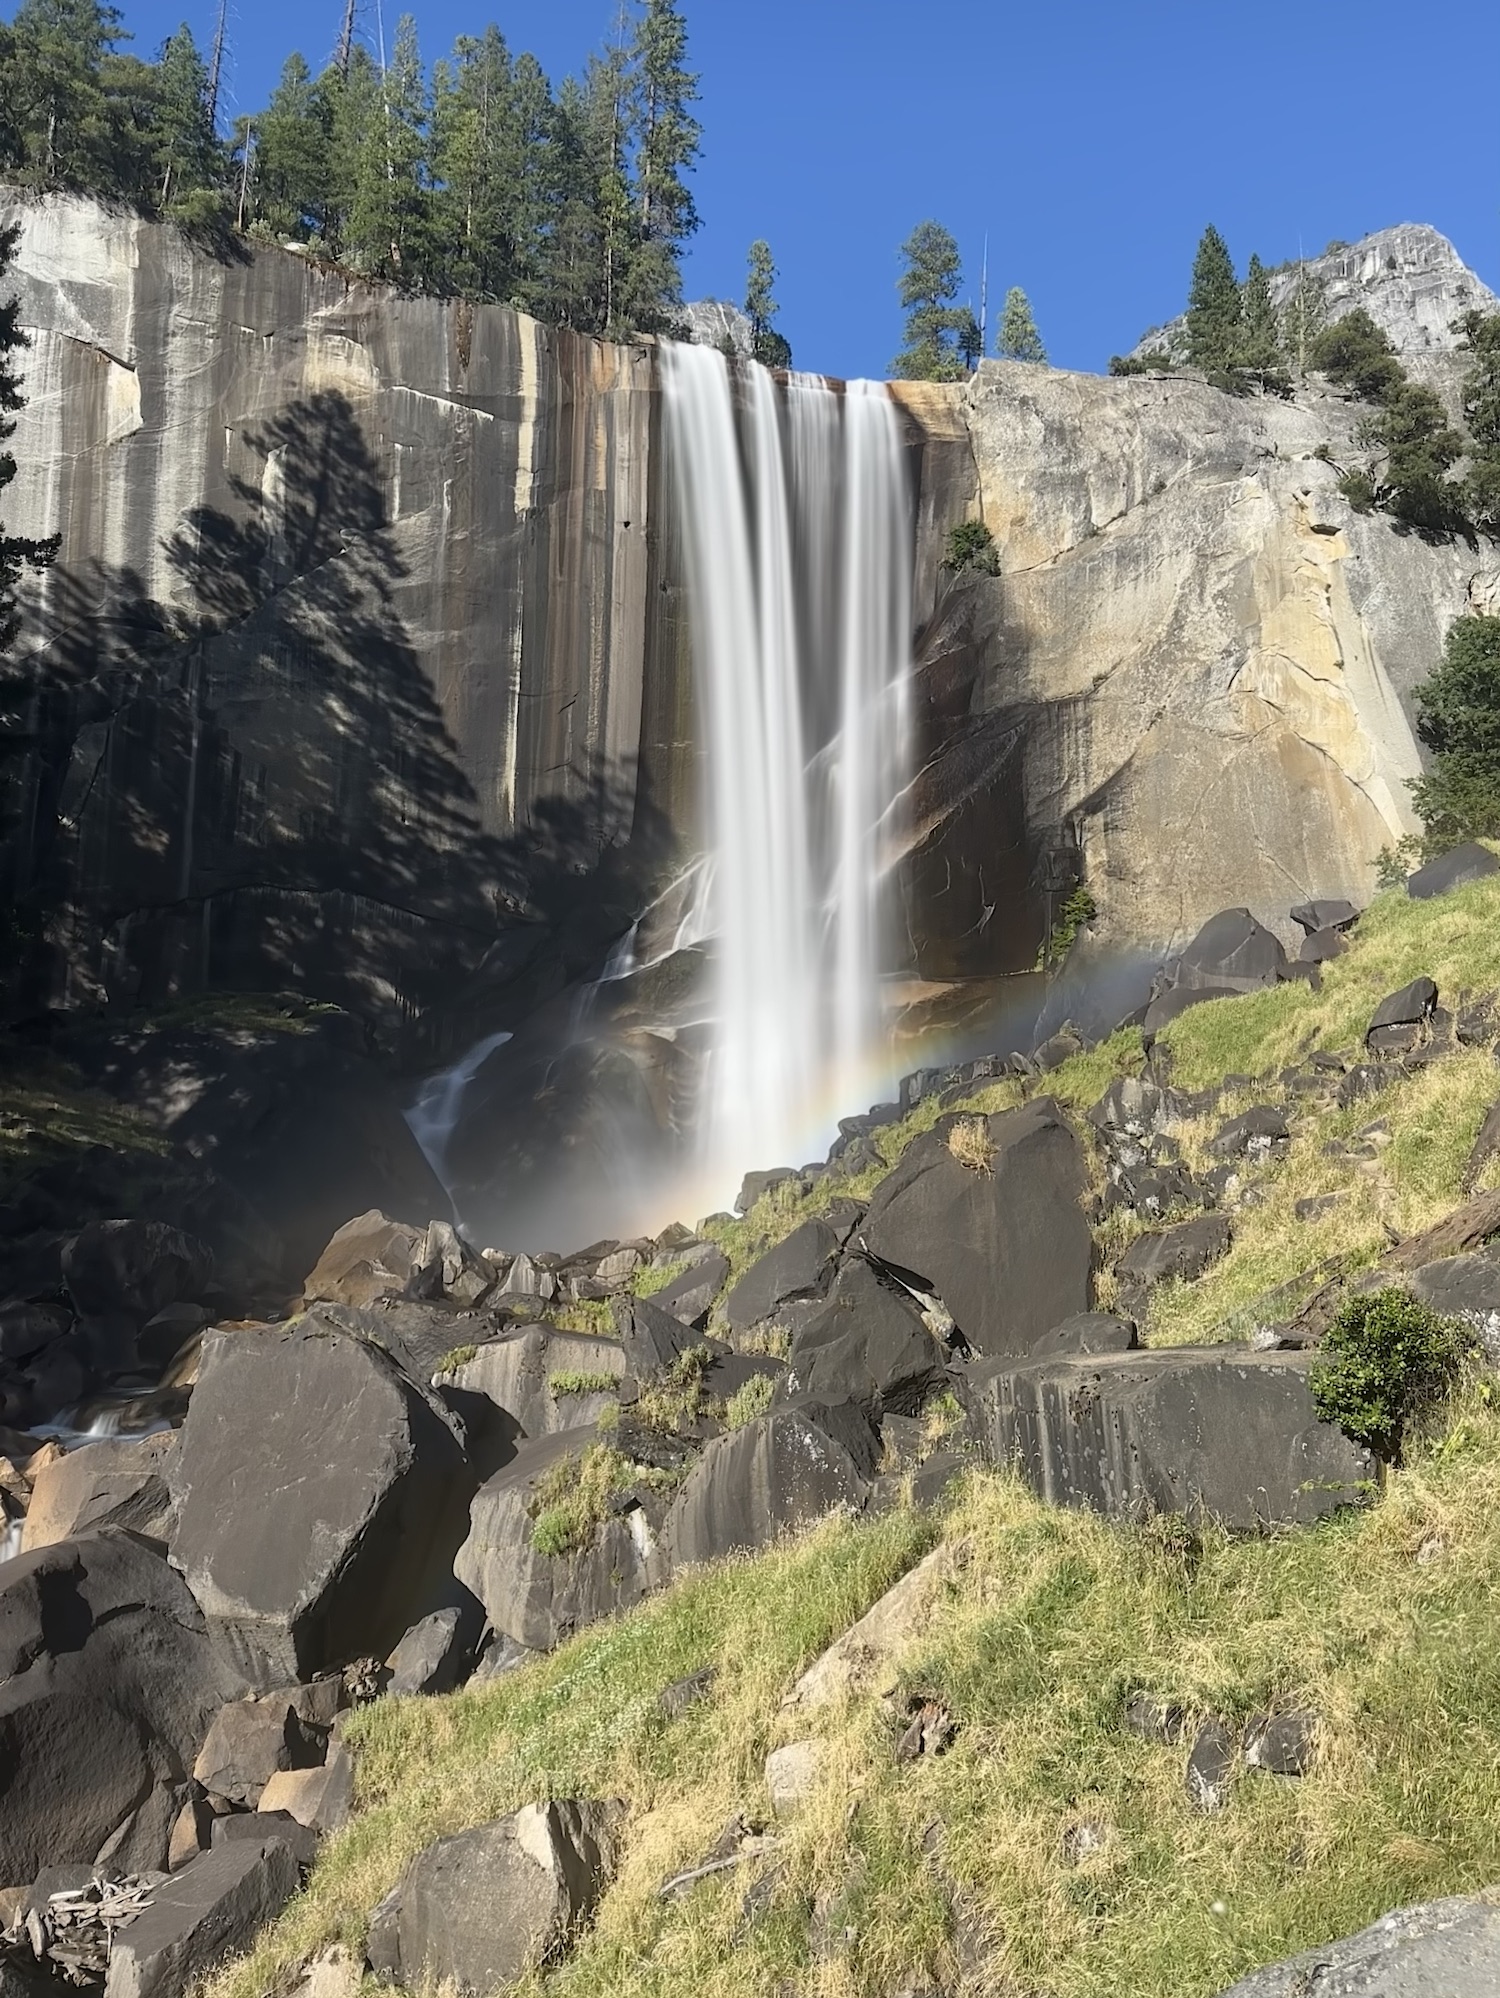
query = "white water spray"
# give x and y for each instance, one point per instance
(796, 522)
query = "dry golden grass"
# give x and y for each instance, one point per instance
(970, 1143)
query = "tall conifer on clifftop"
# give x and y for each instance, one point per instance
(1215, 314)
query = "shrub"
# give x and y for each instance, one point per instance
(972, 546)
(570, 1382)
(1458, 719)
(750, 1399)
(1359, 489)
(970, 1143)
(1394, 863)
(460, 1356)
(1077, 912)
(1387, 1361)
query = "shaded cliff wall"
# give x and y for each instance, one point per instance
(342, 678)
(1193, 673)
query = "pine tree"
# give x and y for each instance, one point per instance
(478, 167)
(1215, 318)
(1303, 316)
(1458, 719)
(17, 552)
(1018, 339)
(389, 224)
(928, 286)
(292, 155)
(665, 136)
(1260, 353)
(1481, 406)
(63, 113)
(187, 162)
(579, 171)
(766, 344)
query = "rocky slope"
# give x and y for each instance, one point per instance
(364, 666)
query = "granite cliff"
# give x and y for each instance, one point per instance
(364, 667)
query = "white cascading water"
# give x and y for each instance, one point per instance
(796, 521)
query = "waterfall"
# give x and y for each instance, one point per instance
(796, 522)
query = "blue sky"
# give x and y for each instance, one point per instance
(1090, 139)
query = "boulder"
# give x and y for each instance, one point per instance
(26, 1327)
(212, 1909)
(1089, 1332)
(691, 1293)
(538, 1598)
(1322, 947)
(443, 1265)
(1470, 862)
(651, 1337)
(515, 1375)
(1440, 1949)
(756, 1185)
(1282, 1744)
(108, 1682)
(1185, 1250)
(867, 1343)
(1485, 1147)
(249, 1741)
(779, 1471)
(1205, 1430)
(1401, 1019)
(1172, 1004)
(321, 1496)
(260, 1825)
(321, 1798)
(864, 1659)
(1006, 1247)
(370, 1257)
(791, 1774)
(435, 1654)
(1132, 1106)
(1210, 1768)
(119, 1481)
(1255, 1135)
(1231, 950)
(798, 1266)
(1466, 1287)
(1314, 917)
(475, 1912)
(133, 1268)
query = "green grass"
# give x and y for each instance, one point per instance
(1052, 1623)
(47, 1116)
(574, 1382)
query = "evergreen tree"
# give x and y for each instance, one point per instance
(59, 48)
(1260, 354)
(186, 152)
(355, 113)
(928, 286)
(766, 344)
(1303, 316)
(390, 213)
(1354, 353)
(478, 167)
(1481, 406)
(17, 552)
(1215, 319)
(666, 136)
(1018, 339)
(585, 199)
(1421, 449)
(292, 155)
(1458, 718)
(968, 340)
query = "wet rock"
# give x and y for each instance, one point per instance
(1402, 1019)
(1317, 917)
(527, 1277)
(370, 1257)
(868, 1342)
(363, 1477)
(1089, 1332)
(539, 1598)
(212, 1909)
(110, 1682)
(1198, 1430)
(1470, 862)
(797, 1266)
(1005, 1247)
(1257, 1135)
(443, 1265)
(27, 1327)
(1183, 1251)
(1282, 1744)
(1210, 1768)
(116, 1482)
(435, 1654)
(1440, 1949)
(477, 1910)
(515, 1376)
(781, 1470)
(134, 1267)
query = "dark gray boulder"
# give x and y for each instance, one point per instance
(212, 1909)
(1185, 1250)
(108, 1683)
(27, 1326)
(1089, 1332)
(1401, 1018)
(241, 1827)
(321, 1497)
(650, 1337)
(1232, 949)
(1440, 1949)
(797, 1266)
(1322, 946)
(1282, 1744)
(1006, 1247)
(1206, 1430)
(1172, 1004)
(435, 1654)
(691, 1293)
(370, 1257)
(1470, 862)
(867, 1343)
(119, 1481)
(1255, 1135)
(479, 1910)
(1466, 1287)
(515, 1375)
(1317, 916)
(135, 1268)
(250, 1741)
(539, 1598)
(1133, 1106)
(781, 1471)
(1210, 1768)
(755, 1185)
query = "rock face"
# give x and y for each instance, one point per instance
(1209, 1430)
(781, 1470)
(108, 1683)
(1442, 1949)
(320, 1499)
(210, 1910)
(115, 1482)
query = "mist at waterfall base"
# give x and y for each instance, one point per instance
(752, 995)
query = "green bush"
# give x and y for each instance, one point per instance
(972, 546)
(572, 1382)
(1359, 489)
(1387, 1361)
(1076, 913)
(749, 1400)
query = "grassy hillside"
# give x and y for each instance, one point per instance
(969, 1871)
